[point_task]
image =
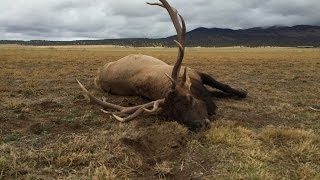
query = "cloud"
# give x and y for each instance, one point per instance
(99, 19)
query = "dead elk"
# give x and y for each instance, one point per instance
(181, 96)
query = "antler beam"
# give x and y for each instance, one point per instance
(121, 110)
(181, 35)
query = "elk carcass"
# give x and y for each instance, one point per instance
(177, 92)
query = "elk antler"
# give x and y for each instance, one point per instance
(121, 110)
(181, 33)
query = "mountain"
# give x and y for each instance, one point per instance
(300, 35)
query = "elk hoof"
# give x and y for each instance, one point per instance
(242, 93)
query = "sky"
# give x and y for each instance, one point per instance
(106, 19)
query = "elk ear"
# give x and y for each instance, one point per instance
(186, 79)
(188, 83)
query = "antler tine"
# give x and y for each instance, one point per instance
(98, 101)
(173, 13)
(181, 34)
(142, 109)
(155, 106)
(184, 77)
(130, 117)
(127, 110)
(183, 31)
(155, 4)
(181, 45)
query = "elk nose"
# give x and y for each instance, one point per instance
(201, 125)
(198, 126)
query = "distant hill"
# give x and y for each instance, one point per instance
(301, 35)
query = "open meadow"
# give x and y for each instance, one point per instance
(49, 130)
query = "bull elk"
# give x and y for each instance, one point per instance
(181, 96)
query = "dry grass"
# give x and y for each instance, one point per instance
(50, 131)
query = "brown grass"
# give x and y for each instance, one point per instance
(49, 130)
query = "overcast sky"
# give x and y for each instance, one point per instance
(99, 19)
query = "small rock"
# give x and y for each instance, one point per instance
(25, 110)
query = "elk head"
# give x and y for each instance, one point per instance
(187, 102)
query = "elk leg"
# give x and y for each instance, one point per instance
(208, 80)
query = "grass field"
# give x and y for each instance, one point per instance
(50, 131)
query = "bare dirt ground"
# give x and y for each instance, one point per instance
(50, 131)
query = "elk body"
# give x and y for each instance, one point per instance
(181, 96)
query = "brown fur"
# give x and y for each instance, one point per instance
(188, 103)
(138, 74)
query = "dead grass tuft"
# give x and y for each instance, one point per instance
(232, 135)
(285, 135)
(104, 173)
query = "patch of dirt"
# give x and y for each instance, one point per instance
(37, 128)
(46, 104)
(157, 145)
